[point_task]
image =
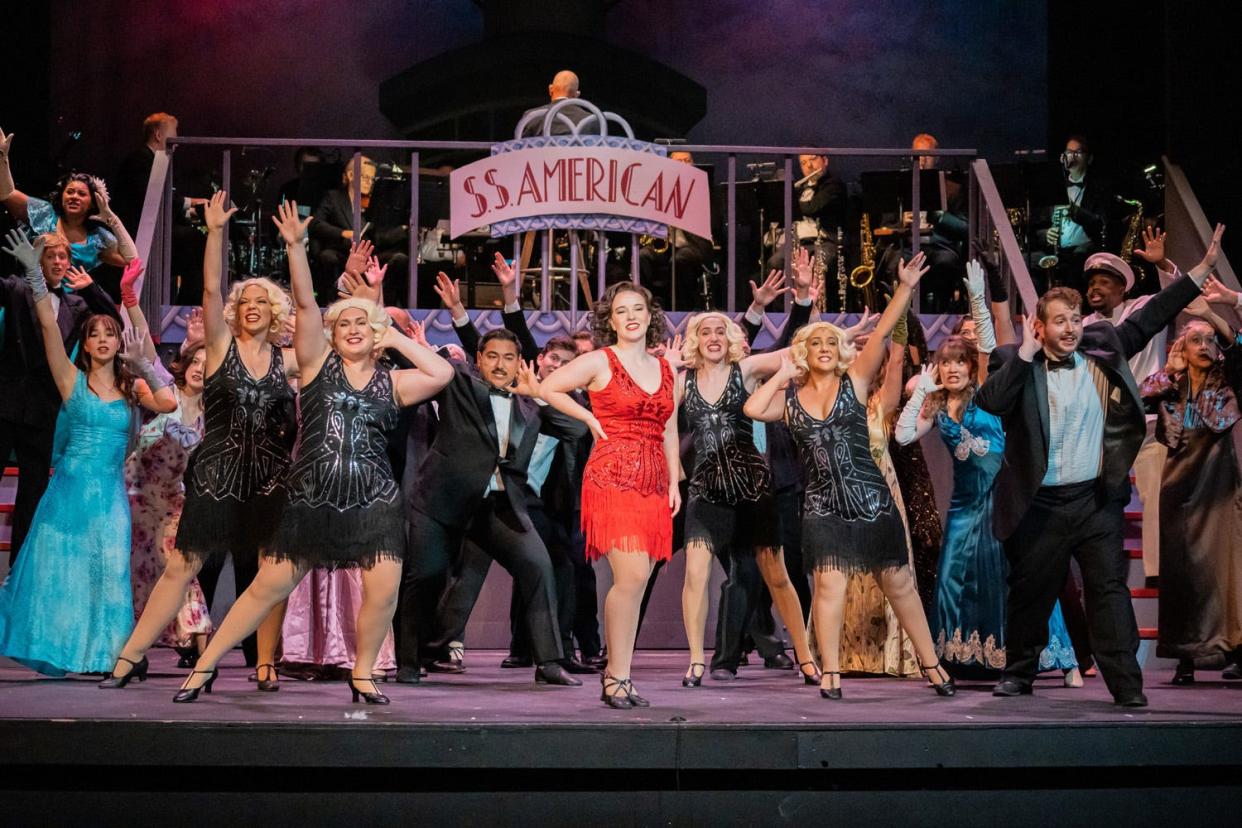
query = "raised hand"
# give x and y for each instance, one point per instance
(508, 276)
(78, 279)
(672, 352)
(527, 380)
(194, 326)
(1031, 341)
(103, 201)
(417, 331)
(1176, 362)
(929, 379)
(788, 369)
(216, 214)
(27, 254)
(132, 351)
(1213, 251)
(1153, 245)
(772, 287)
(6, 144)
(864, 325)
(291, 226)
(1215, 292)
(449, 291)
(375, 274)
(803, 270)
(129, 280)
(359, 255)
(975, 279)
(912, 270)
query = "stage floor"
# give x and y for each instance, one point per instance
(487, 694)
(490, 745)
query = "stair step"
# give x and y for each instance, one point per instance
(1144, 592)
(10, 471)
(6, 508)
(1134, 514)
(1147, 633)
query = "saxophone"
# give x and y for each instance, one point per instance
(819, 269)
(1132, 230)
(1051, 260)
(656, 244)
(862, 275)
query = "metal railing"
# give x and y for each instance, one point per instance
(990, 230)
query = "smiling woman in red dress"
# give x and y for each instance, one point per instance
(627, 502)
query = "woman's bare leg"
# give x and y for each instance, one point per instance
(630, 571)
(828, 608)
(379, 602)
(166, 599)
(785, 597)
(694, 600)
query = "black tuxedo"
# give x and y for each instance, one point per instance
(30, 401)
(1043, 526)
(554, 513)
(573, 112)
(449, 508)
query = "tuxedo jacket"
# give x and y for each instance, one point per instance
(561, 494)
(336, 213)
(29, 393)
(453, 477)
(1017, 392)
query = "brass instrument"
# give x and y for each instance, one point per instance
(842, 278)
(655, 244)
(862, 275)
(1132, 230)
(1051, 260)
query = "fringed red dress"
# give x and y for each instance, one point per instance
(625, 481)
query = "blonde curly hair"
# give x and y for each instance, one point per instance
(282, 307)
(797, 349)
(377, 317)
(733, 334)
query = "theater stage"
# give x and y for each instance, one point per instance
(491, 745)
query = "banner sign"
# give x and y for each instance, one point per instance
(583, 182)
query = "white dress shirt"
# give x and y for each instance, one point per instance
(1075, 423)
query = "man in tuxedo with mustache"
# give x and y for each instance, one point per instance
(473, 490)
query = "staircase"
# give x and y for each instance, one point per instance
(1145, 600)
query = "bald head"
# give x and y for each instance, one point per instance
(564, 85)
(925, 141)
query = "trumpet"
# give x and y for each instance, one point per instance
(862, 275)
(655, 244)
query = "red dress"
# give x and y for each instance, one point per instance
(625, 482)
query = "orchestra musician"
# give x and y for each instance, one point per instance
(332, 234)
(685, 254)
(821, 208)
(1076, 227)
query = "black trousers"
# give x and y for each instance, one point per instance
(33, 446)
(244, 572)
(741, 615)
(1063, 522)
(437, 593)
(586, 597)
(557, 538)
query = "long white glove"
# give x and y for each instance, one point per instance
(975, 281)
(907, 430)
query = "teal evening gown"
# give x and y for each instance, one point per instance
(968, 624)
(66, 606)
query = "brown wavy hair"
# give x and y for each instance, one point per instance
(121, 375)
(601, 329)
(956, 348)
(182, 363)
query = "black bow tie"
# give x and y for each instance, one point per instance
(59, 290)
(499, 392)
(1066, 364)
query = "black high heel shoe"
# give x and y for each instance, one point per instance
(137, 670)
(371, 698)
(946, 687)
(1185, 673)
(614, 699)
(695, 677)
(189, 694)
(833, 693)
(267, 685)
(812, 678)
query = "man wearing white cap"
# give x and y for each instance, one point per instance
(1108, 280)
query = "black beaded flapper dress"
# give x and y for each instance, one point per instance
(849, 519)
(235, 479)
(343, 505)
(730, 489)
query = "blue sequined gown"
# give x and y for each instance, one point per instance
(66, 606)
(968, 622)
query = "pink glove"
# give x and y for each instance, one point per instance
(129, 297)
